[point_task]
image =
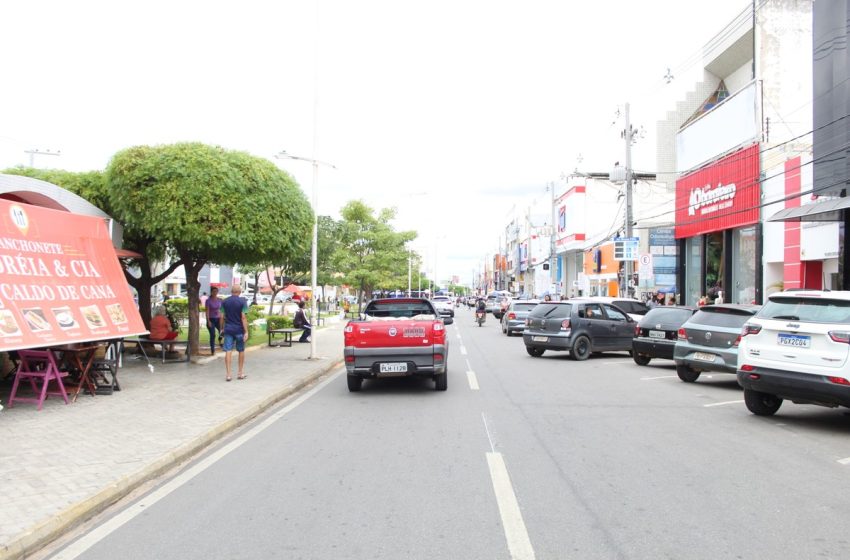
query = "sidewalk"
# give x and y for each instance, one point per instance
(65, 463)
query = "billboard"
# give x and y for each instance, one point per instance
(60, 280)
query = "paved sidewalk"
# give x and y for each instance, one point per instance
(65, 463)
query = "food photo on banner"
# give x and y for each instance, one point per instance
(60, 280)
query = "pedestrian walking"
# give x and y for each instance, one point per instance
(213, 314)
(300, 322)
(233, 322)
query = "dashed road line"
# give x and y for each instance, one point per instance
(463, 350)
(721, 403)
(844, 461)
(519, 545)
(659, 377)
(473, 381)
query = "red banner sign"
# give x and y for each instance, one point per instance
(60, 280)
(721, 196)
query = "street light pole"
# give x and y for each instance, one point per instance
(314, 252)
(628, 264)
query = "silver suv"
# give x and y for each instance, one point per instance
(796, 348)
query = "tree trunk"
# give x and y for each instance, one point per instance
(193, 289)
(144, 282)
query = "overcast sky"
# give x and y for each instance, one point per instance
(451, 111)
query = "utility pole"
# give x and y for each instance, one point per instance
(36, 152)
(553, 278)
(628, 134)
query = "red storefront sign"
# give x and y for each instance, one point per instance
(722, 196)
(60, 280)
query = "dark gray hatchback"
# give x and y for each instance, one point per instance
(708, 341)
(578, 326)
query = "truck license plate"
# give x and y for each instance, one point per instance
(397, 367)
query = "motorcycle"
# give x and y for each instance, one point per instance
(480, 316)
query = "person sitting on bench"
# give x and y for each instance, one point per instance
(161, 327)
(300, 322)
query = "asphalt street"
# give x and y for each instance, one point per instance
(522, 457)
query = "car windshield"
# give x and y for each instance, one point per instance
(721, 317)
(807, 309)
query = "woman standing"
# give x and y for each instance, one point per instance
(213, 313)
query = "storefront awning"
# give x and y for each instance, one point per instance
(823, 211)
(59, 280)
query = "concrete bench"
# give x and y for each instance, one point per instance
(285, 333)
(140, 341)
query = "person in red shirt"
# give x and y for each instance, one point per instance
(161, 327)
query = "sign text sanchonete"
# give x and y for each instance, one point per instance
(60, 280)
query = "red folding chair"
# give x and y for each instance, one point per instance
(38, 366)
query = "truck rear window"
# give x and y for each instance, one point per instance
(400, 310)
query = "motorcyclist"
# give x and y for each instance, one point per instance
(481, 305)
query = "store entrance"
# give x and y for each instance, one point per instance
(714, 265)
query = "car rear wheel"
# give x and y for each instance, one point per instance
(536, 352)
(687, 374)
(641, 359)
(581, 349)
(441, 381)
(761, 404)
(354, 383)
(505, 331)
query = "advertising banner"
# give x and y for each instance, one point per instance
(60, 280)
(720, 196)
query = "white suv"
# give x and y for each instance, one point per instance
(796, 348)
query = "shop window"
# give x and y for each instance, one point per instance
(743, 266)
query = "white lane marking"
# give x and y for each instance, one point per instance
(721, 403)
(473, 381)
(519, 545)
(463, 350)
(844, 461)
(100, 532)
(659, 377)
(487, 429)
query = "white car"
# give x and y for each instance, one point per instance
(445, 305)
(796, 348)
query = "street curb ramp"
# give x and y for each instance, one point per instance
(40, 535)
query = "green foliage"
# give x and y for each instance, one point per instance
(177, 311)
(369, 253)
(223, 206)
(254, 313)
(278, 322)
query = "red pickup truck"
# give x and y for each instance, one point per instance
(394, 338)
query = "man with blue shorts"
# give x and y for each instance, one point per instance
(234, 327)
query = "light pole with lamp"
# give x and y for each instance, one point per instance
(314, 312)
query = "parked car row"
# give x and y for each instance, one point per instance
(796, 347)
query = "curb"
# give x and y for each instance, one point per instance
(40, 535)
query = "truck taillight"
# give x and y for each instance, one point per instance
(565, 325)
(682, 334)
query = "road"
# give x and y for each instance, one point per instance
(522, 457)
